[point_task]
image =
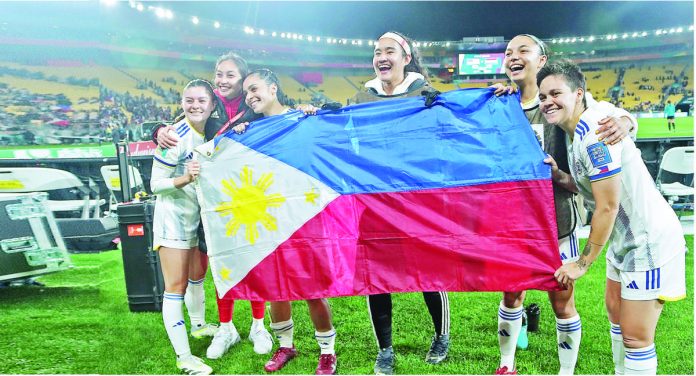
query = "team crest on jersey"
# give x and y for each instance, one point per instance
(599, 154)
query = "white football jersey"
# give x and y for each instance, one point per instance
(177, 213)
(647, 233)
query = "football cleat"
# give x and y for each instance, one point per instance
(504, 371)
(384, 364)
(192, 365)
(222, 341)
(327, 365)
(438, 349)
(262, 340)
(205, 330)
(280, 358)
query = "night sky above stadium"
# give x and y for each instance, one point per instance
(450, 20)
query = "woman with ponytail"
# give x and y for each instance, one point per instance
(265, 97)
(399, 73)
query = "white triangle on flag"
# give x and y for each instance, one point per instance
(250, 204)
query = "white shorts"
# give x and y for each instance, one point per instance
(568, 248)
(666, 283)
(174, 243)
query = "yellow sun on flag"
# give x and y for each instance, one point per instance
(249, 204)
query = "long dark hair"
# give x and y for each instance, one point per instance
(415, 65)
(270, 78)
(237, 60)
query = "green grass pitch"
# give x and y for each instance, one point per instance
(657, 128)
(79, 323)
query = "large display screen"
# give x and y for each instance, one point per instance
(470, 64)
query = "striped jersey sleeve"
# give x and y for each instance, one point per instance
(599, 160)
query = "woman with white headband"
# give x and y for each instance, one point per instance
(399, 74)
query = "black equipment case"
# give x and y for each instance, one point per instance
(144, 281)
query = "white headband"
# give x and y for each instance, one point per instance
(399, 39)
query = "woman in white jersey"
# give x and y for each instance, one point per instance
(525, 55)
(177, 216)
(264, 96)
(645, 257)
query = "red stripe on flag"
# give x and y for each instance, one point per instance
(493, 237)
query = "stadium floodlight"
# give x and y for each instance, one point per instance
(300, 37)
(624, 36)
(168, 14)
(195, 20)
(282, 35)
(216, 24)
(294, 36)
(691, 28)
(131, 3)
(309, 38)
(582, 39)
(370, 43)
(645, 33)
(262, 32)
(345, 41)
(447, 44)
(273, 34)
(553, 40)
(634, 35)
(318, 39)
(658, 32)
(359, 42)
(671, 31)
(614, 36)
(567, 40)
(140, 7)
(159, 12)
(591, 38)
(679, 30)
(573, 40)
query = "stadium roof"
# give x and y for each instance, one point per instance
(443, 20)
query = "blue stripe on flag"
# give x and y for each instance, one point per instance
(465, 138)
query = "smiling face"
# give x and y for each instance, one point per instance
(198, 105)
(523, 59)
(560, 104)
(228, 80)
(259, 95)
(389, 61)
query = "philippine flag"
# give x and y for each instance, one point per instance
(391, 196)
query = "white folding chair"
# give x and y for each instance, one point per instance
(678, 161)
(112, 179)
(39, 179)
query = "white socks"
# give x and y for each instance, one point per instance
(256, 325)
(326, 341)
(568, 334)
(509, 325)
(228, 327)
(642, 361)
(617, 348)
(195, 302)
(173, 317)
(283, 331)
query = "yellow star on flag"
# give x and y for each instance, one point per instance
(225, 274)
(311, 197)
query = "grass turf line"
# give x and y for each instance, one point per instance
(80, 324)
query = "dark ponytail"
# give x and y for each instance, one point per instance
(270, 78)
